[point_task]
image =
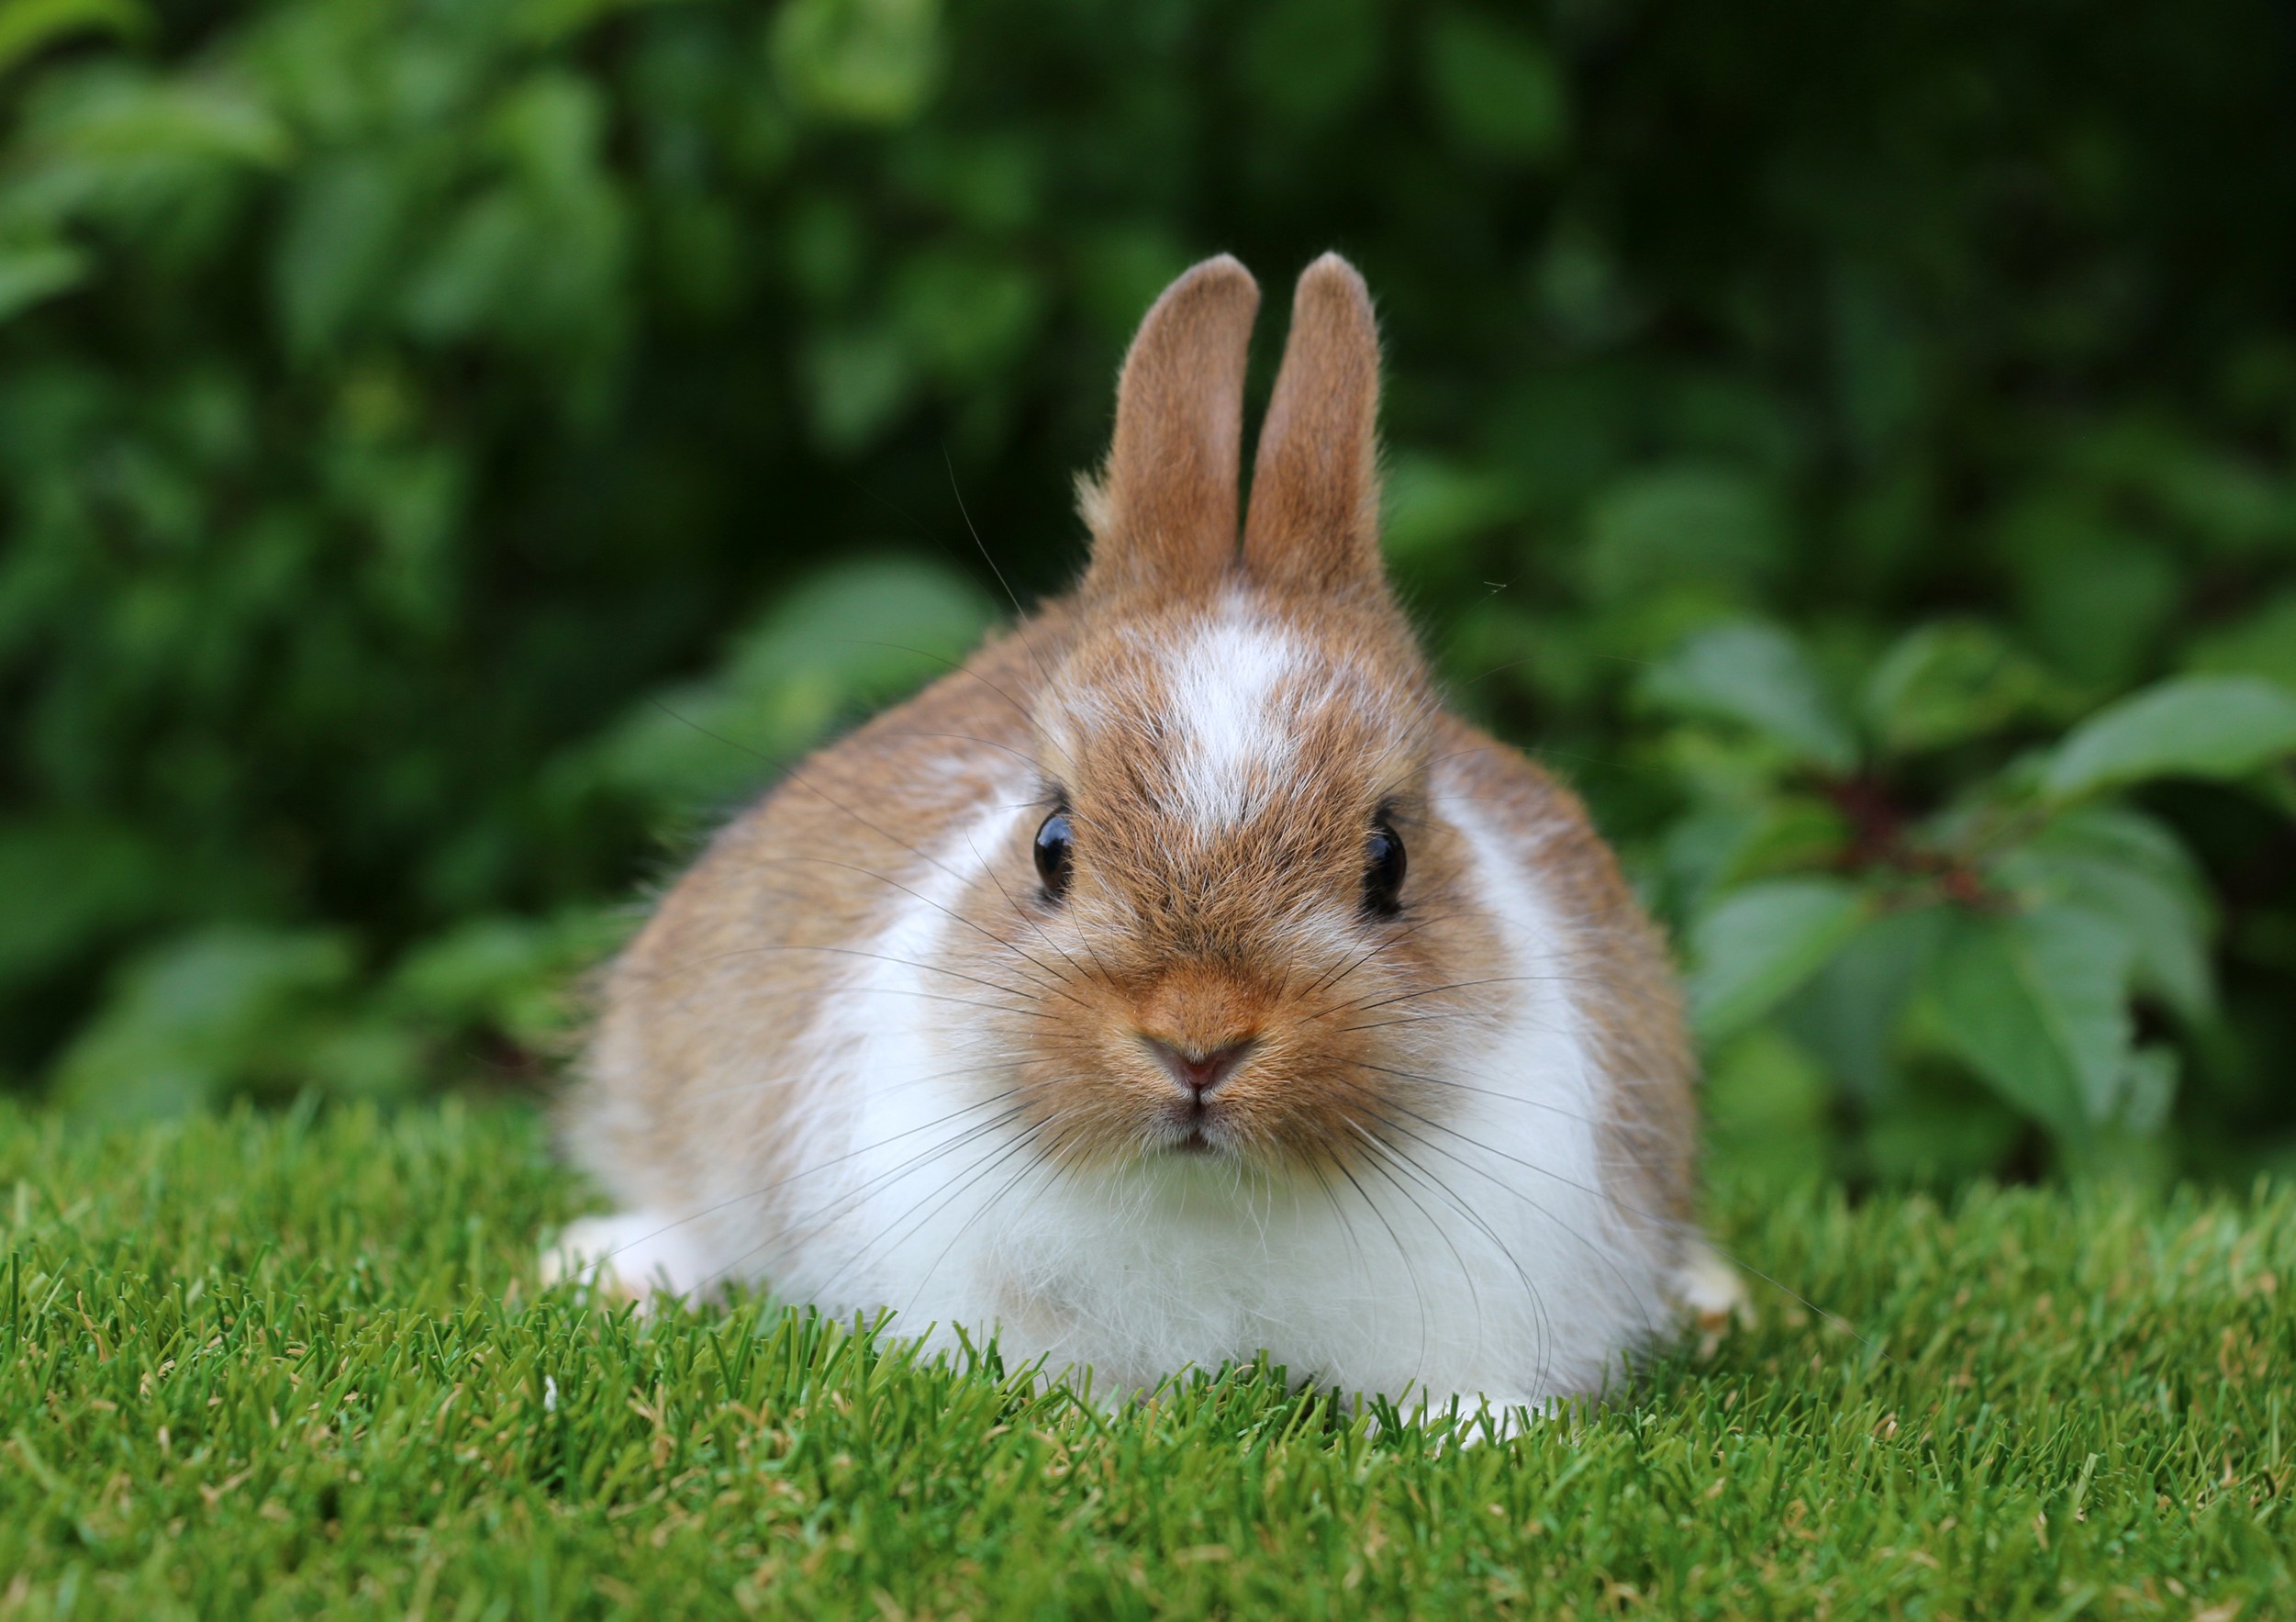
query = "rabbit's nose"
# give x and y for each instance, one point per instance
(1199, 1069)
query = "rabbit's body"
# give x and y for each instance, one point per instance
(1059, 1002)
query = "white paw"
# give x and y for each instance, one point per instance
(1472, 1418)
(1710, 1290)
(1496, 1419)
(634, 1255)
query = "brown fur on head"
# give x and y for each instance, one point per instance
(1226, 735)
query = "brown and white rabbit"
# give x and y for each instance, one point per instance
(1177, 981)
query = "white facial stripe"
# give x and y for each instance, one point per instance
(1231, 715)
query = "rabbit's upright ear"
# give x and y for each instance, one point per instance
(1163, 514)
(1314, 524)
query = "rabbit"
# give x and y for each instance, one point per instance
(1177, 982)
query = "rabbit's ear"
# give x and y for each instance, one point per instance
(1314, 524)
(1163, 514)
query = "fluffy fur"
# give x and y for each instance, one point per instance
(862, 1055)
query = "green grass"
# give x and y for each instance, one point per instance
(272, 1365)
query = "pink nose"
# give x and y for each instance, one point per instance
(1198, 1069)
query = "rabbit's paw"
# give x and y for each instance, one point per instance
(635, 1256)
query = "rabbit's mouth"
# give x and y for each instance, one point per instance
(1194, 1129)
(1191, 1129)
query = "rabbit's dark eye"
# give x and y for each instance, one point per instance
(1054, 843)
(1383, 870)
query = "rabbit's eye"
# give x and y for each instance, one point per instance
(1053, 845)
(1383, 870)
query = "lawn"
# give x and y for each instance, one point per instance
(269, 1366)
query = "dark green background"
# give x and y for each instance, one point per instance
(413, 415)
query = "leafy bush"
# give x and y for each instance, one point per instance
(2018, 929)
(449, 451)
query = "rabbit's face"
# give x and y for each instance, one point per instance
(1237, 928)
(1223, 902)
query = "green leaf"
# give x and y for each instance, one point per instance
(1498, 89)
(1434, 507)
(1690, 524)
(552, 22)
(1756, 675)
(2126, 868)
(2094, 595)
(1311, 61)
(72, 884)
(2262, 644)
(1852, 1012)
(472, 270)
(2148, 1087)
(966, 315)
(1939, 1135)
(32, 271)
(117, 132)
(1583, 290)
(1769, 1111)
(853, 635)
(2037, 1004)
(1763, 942)
(1727, 843)
(511, 975)
(196, 1019)
(1951, 681)
(29, 26)
(859, 62)
(551, 125)
(335, 246)
(2193, 726)
(1120, 269)
(857, 380)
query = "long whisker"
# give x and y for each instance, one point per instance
(758, 1083)
(958, 667)
(1531, 1288)
(1590, 1248)
(1034, 1013)
(1393, 938)
(1500, 980)
(832, 1210)
(692, 963)
(1670, 1224)
(1442, 1232)
(927, 533)
(1419, 1294)
(1010, 596)
(1022, 912)
(938, 906)
(793, 776)
(966, 1226)
(975, 1171)
(1347, 1229)
(1534, 1103)
(1550, 1339)
(1022, 756)
(813, 1170)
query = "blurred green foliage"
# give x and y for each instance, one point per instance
(450, 451)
